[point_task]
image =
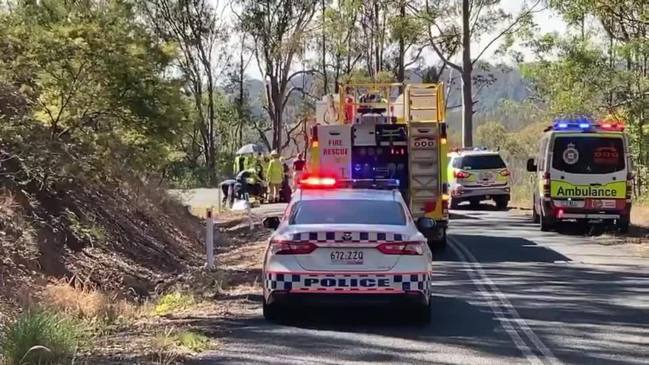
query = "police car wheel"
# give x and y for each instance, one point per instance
(422, 314)
(271, 312)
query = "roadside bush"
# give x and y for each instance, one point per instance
(89, 305)
(173, 302)
(39, 337)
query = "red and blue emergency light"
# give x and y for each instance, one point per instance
(586, 125)
(330, 182)
(317, 182)
(611, 125)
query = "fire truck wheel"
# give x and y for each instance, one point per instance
(437, 239)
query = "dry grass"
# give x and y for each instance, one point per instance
(640, 215)
(89, 304)
(7, 203)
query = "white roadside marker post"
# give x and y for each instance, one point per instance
(209, 238)
(251, 223)
(218, 200)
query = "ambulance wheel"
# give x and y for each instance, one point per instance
(272, 312)
(623, 225)
(501, 203)
(545, 224)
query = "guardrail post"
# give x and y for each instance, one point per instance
(209, 238)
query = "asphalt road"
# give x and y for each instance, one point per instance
(504, 293)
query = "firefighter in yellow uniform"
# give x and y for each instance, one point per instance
(274, 176)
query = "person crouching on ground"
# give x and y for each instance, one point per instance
(275, 175)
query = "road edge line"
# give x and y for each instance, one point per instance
(529, 333)
(506, 323)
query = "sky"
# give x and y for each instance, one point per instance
(546, 20)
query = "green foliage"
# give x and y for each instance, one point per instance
(589, 74)
(172, 302)
(192, 341)
(95, 89)
(39, 337)
(170, 343)
(578, 82)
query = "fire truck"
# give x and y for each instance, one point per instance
(380, 132)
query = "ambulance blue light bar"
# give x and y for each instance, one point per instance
(581, 123)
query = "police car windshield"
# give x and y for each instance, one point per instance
(348, 211)
(588, 155)
(482, 162)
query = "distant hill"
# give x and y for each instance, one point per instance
(499, 83)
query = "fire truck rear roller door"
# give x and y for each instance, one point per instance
(335, 143)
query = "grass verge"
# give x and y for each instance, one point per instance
(89, 305)
(40, 337)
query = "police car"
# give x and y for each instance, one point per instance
(342, 245)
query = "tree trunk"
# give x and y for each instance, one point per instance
(467, 76)
(211, 164)
(401, 73)
(324, 50)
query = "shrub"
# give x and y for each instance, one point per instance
(87, 304)
(39, 337)
(172, 302)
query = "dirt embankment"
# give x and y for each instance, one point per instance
(123, 238)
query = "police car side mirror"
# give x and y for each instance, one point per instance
(425, 224)
(531, 165)
(271, 222)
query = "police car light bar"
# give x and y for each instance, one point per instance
(317, 182)
(328, 182)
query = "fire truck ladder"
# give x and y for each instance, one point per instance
(424, 113)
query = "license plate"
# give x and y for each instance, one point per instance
(603, 204)
(346, 257)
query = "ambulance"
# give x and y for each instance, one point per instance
(584, 174)
(380, 132)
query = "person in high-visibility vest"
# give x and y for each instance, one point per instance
(274, 176)
(239, 164)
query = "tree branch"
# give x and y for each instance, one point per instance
(509, 28)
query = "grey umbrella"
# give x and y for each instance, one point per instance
(250, 148)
